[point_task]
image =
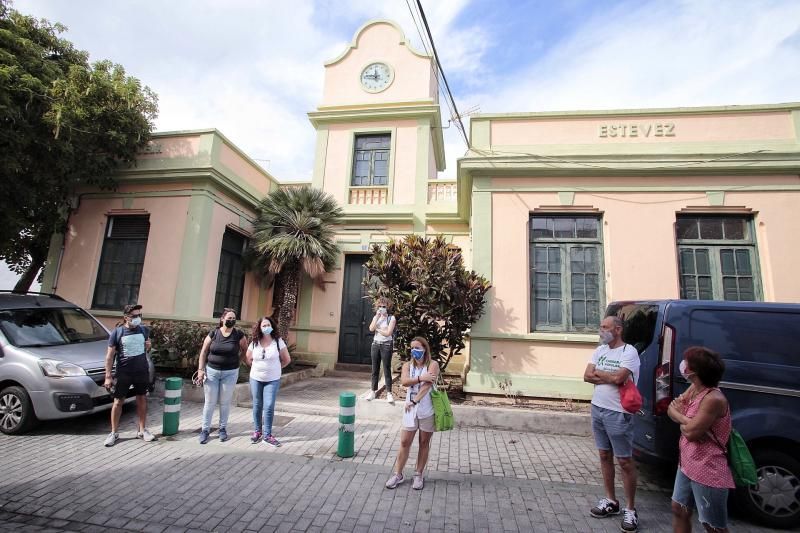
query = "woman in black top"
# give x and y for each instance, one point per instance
(218, 370)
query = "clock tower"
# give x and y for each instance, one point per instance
(379, 151)
(379, 137)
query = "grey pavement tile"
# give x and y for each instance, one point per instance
(481, 479)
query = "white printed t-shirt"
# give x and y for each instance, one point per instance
(609, 360)
(267, 361)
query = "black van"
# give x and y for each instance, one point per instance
(760, 343)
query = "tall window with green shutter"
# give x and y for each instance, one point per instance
(717, 258)
(566, 272)
(230, 276)
(121, 261)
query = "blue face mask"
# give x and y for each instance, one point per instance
(266, 330)
(136, 321)
(417, 353)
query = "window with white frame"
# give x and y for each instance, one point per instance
(717, 258)
(566, 272)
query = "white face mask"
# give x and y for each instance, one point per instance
(605, 336)
(382, 310)
(684, 370)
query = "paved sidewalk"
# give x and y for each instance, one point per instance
(61, 478)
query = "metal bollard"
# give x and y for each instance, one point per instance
(172, 405)
(347, 424)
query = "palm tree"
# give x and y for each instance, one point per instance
(293, 234)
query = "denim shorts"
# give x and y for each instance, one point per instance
(613, 430)
(711, 502)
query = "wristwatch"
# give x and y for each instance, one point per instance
(413, 401)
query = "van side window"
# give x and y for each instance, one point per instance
(639, 323)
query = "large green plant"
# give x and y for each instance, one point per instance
(64, 124)
(434, 295)
(178, 340)
(294, 234)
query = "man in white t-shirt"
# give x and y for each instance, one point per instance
(611, 365)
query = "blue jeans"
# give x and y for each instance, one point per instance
(218, 388)
(264, 394)
(711, 502)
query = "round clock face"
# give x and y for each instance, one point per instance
(376, 77)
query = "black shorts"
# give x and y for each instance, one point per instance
(125, 381)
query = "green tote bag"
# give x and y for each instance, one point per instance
(741, 463)
(442, 412)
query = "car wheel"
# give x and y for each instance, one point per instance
(775, 500)
(16, 411)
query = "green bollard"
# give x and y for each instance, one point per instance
(172, 405)
(347, 424)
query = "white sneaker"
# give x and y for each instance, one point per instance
(390, 398)
(145, 435)
(111, 439)
(395, 480)
(370, 396)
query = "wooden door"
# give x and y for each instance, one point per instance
(355, 338)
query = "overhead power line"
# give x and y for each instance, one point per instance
(457, 116)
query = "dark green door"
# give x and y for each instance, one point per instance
(354, 335)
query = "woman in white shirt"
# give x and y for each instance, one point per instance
(383, 325)
(266, 355)
(418, 377)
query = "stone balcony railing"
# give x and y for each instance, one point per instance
(368, 195)
(439, 192)
(442, 191)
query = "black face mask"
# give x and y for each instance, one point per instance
(230, 323)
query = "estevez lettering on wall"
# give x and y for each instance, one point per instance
(656, 129)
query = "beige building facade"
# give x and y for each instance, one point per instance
(563, 212)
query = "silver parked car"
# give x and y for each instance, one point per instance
(52, 361)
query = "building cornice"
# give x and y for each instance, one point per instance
(703, 163)
(424, 109)
(240, 191)
(703, 110)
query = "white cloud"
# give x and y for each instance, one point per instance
(662, 55)
(254, 69)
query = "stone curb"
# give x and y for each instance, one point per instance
(502, 418)
(529, 420)
(241, 394)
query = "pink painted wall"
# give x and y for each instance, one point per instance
(767, 126)
(240, 166)
(221, 217)
(326, 307)
(84, 241)
(638, 248)
(540, 358)
(413, 79)
(340, 151)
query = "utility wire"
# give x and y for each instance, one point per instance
(434, 70)
(441, 71)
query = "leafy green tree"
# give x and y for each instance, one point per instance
(64, 124)
(434, 295)
(294, 234)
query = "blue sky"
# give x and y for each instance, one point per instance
(253, 68)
